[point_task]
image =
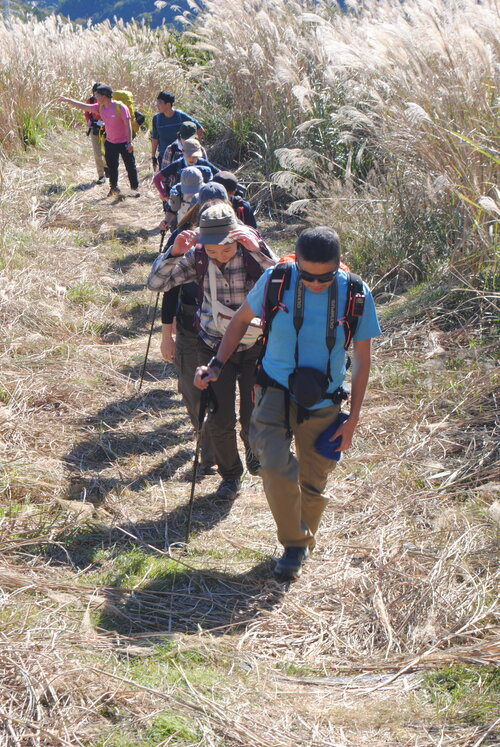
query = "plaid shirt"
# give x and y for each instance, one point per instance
(233, 285)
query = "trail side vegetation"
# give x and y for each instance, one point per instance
(380, 121)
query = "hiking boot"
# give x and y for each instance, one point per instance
(101, 180)
(207, 469)
(253, 464)
(289, 566)
(115, 192)
(135, 193)
(228, 489)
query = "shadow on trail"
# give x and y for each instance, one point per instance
(107, 447)
(145, 257)
(125, 288)
(85, 186)
(85, 548)
(178, 597)
(139, 318)
(155, 370)
(183, 599)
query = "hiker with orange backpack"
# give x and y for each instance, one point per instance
(311, 310)
(117, 120)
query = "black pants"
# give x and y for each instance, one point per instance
(113, 151)
(239, 370)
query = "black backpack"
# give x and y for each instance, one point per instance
(279, 282)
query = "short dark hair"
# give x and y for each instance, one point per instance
(96, 86)
(103, 90)
(320, 244)
(166, 96)
(227, 179)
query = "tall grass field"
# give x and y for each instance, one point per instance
(376, 118)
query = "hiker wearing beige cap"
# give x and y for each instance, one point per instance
(192, 156)
(174, 151)
(225, 259)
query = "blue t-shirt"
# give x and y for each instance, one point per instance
(279, 358)
(165, 129)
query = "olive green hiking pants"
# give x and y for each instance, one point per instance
(98, 154)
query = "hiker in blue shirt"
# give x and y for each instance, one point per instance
(300, 382)
(166, 125)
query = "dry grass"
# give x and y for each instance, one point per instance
(42, 60)
(381, 121)
(108, 626)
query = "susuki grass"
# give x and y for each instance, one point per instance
(382, 120)
(35, 71)
(111, 632)
(379, 120)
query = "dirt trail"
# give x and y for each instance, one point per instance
(399, 567)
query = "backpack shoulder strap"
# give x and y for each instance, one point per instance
(277, 283)
(355, 305)
(201, 266)
(252, 267)
(239, 208)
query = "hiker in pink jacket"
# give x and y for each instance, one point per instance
(116, 118)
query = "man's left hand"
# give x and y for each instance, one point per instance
(345, 432)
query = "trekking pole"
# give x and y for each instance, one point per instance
(207, 401)
(152, 323)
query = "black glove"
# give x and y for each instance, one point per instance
(155, 163)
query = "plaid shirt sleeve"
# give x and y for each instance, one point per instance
(167, 272)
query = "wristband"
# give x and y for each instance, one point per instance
(215, 363)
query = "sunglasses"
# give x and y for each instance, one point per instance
(309, 277)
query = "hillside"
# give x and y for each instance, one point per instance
(85, 11)
(112, 632)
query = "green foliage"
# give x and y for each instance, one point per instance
(11, 510)
(169, 725)
(32, 128)
(128, 566)
(463, 693)
(166, 728)
(178, 46)
(85, 294)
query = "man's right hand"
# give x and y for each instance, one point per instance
(204, 375)
(154, 161)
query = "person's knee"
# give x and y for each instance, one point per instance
(271, 451)
(222, 427)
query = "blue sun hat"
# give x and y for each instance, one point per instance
(327, 448)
